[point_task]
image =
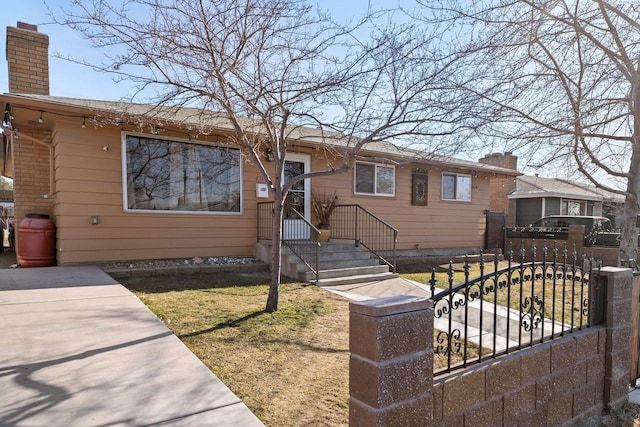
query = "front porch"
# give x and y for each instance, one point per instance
(362, 246)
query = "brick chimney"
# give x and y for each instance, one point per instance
(499, 187)
(506, 160)
(28, 60)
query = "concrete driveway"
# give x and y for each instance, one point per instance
(79, 349)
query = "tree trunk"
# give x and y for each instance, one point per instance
(276, 252)
(629, 235)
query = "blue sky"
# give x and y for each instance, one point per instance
(76, 81)
(66, 79)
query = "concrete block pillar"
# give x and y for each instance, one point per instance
(391, 363)
(618, 284)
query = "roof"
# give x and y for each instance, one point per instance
(195, 118)
(528, 186)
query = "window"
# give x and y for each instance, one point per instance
(572, 207)
(164, 175)
(376, 179)
(456, 187)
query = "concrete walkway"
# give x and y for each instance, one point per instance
(78, 349)
(380, 289)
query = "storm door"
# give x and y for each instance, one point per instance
(298, 198)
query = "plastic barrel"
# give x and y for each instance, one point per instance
(36, 241)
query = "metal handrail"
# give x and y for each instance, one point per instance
(265, 223)
(353, 222)
(305, 245)
(348, 222)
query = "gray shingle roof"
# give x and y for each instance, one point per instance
(195, 118)
(535, 186)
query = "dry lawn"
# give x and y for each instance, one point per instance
(289, 367)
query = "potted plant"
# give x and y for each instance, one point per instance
(322, 206)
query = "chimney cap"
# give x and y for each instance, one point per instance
(25, 26)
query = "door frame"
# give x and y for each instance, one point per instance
(305, 159)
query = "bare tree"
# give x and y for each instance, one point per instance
(275, 68)
(559, 80)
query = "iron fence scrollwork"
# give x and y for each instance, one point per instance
(513, 305)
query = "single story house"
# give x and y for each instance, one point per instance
(536, 197)
(120, 191)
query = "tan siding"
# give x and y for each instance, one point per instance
(113, 216)
(439, 225)
(89, 184)
(159, 241)
(107, 231)
(92, 198)
(78, 175)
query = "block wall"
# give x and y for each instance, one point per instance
(554, 383)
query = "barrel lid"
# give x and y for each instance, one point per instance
(40, 216)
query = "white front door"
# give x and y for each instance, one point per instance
(299, 197)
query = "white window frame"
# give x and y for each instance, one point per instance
(375, 179)
(125, 202)
(458, 180)
(566, 203)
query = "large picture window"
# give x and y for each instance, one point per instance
(164, 175)
(371, 178)
(456, 187)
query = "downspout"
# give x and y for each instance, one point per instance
(16, 134)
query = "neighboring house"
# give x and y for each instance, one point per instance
(536, 197)
(117, 191)
(527, 198)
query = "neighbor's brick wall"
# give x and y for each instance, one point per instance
(575, 376)
(28, 60)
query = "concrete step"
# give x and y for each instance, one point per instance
(295, 264)
(333, 256)
(308, 276)
(328, 247)
(363, 278)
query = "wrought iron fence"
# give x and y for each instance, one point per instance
(353, 222)
(265, 220)
(302, 238)
(510, 305)
(298, 234)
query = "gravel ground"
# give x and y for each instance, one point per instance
(177, 262)
(8, 259)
